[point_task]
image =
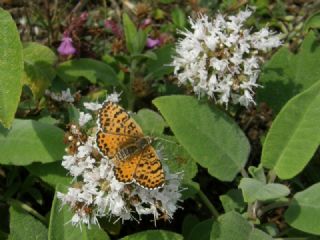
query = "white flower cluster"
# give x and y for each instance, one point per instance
(64, 96)
(221, 58)
(97, 193)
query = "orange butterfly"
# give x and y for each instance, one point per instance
(120, 138)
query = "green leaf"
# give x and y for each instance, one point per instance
(11, 68)
(257, 173)
(178, 159)
(94, 71)
(151, 122)
(304, 210)
(294, 135)
(24, 226)
(38, 67)
(232, 226)
(131, 34)
(287, 74)
(154, 235)
(30, 141)
(233, 200)
(188, 223)
(313, 22)
(178, 17)
(211, 138)
(51, 173)
(253, 190)
(158, 68)
(60, 226)
(201, 230)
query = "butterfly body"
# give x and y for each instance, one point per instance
(133, 148)
(120, 138)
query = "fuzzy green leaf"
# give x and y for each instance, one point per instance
(232, 226)
(11, 68)
(51, 173)
(38, 67)
(151, 122)
(304, 210)
(288, 74)
(154, 235)
(253, 190)
(177, 158)
(159, 67)
(24, 226)
(94, 71)
(313, 22)
(294, 135)
(201, 230)
(211, 138)
(30, 141)
(131, 34)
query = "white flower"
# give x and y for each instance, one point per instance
(113, 97)
(219, 57)
(64, 96)
(92, 106)
(84, 118)
(97, 193)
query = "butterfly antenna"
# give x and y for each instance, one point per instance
(166, 140)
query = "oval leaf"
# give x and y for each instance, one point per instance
(160, 67)
(30, 141)
(93, 70)
(25, 226)
(154, 235)
(201, 230)
(130, 33)
(11, 68)
(60, 226)
(253, 190)
(232, 226)
(51, 173)
(209, 136)
(38, 67)
(304, 210)
(288, 74)
(294, 135)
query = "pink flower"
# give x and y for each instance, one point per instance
(113, 27)
(146, 23)
(151, 43)
(66, 47)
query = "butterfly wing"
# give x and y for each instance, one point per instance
(114, 119)
(116, 129)
(149, 172)
(124, 170)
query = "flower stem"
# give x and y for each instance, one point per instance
(28, 209)
(208, 204)
(278, 204)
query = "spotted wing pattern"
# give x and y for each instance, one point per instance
(149, 172)
(117, 129)
(124, 170)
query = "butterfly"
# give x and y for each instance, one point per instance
(120, 138)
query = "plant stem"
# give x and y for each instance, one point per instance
(28, 209)
(271, 206)
(208, 204)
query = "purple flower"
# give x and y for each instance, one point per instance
(146, 23)
(151, 43)
(66, 47)
(113, 27)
